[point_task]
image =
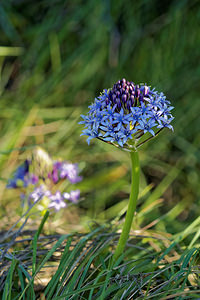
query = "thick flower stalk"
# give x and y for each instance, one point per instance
(127, 116)
(41, 180)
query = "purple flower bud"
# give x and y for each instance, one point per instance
(128, 105)
(133, 93)
(132, 100)
(118, 101)
(146, 90)
(141, 98)
(127, 89)
(110, 95)
(124, 98)
(114, 98)
(54, 174)
(137, 93)
(117, 94)
(124, 81)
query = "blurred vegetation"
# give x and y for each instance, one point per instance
(56, 56)
(76, 266)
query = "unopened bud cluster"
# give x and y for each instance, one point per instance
(126, 95)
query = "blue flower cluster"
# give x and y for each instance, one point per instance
(123, 114)
(20, 176)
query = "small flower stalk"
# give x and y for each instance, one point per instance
(127, 116)
(46, 182)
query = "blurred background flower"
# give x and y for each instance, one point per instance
(41, 178)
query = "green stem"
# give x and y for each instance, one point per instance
(131, 206)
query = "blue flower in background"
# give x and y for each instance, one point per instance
(41, 176)
(127, 112)
(70, 171)
(73, 196)
(57, 201)
(19, 177)
(38, 193)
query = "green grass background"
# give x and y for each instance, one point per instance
(55, 57)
